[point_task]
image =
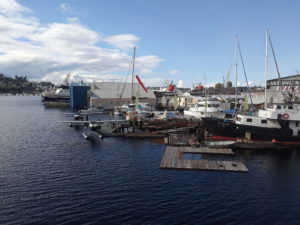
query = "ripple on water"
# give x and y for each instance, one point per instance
(50, 175)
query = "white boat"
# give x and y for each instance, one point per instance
(219, 144)
(142, 109)
(92, 110)
(60, 96)
(209, 108)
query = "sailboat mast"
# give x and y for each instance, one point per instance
(266, 68)
(236, 69)
(133, 59)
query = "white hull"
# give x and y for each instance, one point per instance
(200, 114)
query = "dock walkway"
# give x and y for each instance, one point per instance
(173, 159)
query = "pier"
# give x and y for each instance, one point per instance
(173, 159)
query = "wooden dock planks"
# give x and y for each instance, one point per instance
(202, 150)
(173, 159)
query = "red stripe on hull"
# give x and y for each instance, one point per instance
(221, 138)
(282, 143)
(289, 144)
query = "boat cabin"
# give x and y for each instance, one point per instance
(281, 111)
(256, 121)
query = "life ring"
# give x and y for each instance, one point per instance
(285, 116)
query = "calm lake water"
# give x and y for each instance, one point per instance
(50, 175)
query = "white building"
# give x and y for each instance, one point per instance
(110, 94)
(284, 89)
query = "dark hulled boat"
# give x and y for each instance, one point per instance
(279, 124)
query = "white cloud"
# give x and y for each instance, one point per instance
(11, 7)
(73, 19)
(64, 7)
(210, 84)
(123, 41)
(49, 51)
(180, 84)
(173, 72)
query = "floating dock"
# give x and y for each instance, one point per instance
(173, 159)
(182, 140)
(145, 135)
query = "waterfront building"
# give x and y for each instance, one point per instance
(110, 94)
(284, 89)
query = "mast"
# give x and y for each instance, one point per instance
(266, 68)
(236, 69)
(133, 59)
(205, 109)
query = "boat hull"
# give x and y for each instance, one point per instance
(221, 131)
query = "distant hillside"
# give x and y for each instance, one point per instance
(21, 85)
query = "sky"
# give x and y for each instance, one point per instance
(186, 41)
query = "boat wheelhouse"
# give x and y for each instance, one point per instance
(209, 108)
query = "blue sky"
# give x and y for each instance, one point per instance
(176, 40)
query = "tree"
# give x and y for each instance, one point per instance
(229, 84)
(218, 85)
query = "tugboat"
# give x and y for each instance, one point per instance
(278, 123)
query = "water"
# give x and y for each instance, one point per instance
(50, 175)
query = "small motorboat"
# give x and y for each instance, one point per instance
(219, 144)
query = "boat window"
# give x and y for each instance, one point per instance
(278, 107)
(290, 107)
(249, 120)
(264, 121)
(239, 119)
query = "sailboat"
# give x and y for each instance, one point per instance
(121, 110)
(135, 107)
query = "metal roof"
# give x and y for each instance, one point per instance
(110, 90)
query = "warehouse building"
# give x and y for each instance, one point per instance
(110, 94)
(285, 89)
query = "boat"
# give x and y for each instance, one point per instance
(207, 108)
(278, 123)
(219, 144)
(93, 110)
(60, 96)
(103, 127)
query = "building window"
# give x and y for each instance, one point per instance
(249, 120)
(264, 121)
(278, 107)
(297, 124)
(290, 107)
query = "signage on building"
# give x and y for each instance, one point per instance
(283, 83)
